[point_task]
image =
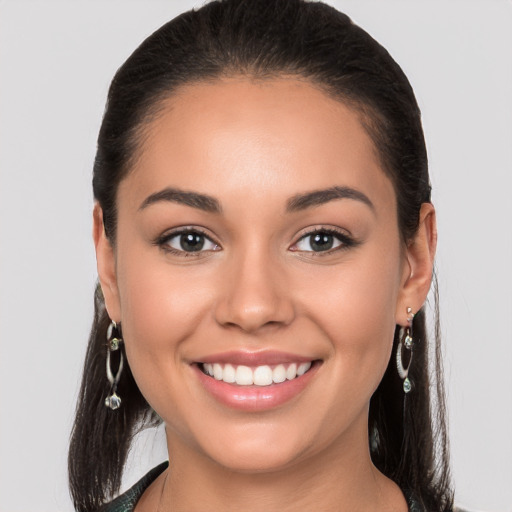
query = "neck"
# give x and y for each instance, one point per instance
(342, 477)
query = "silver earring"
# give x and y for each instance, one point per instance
(114, 340)
(405, 341)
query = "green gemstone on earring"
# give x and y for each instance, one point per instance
(114, 344)
(407, 385)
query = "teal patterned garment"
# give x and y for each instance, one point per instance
(127, 501)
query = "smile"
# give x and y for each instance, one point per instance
(255, 381)
(264, 375)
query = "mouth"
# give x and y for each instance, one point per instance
(264, 375)
(264, 382)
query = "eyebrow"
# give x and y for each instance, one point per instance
(193, 199)
(318, 197)
(296, 203)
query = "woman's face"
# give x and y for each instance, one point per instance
(257, 236)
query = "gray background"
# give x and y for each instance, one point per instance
(56, 61)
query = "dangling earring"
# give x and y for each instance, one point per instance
(114, 341)
(405, 341)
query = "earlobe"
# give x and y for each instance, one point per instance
(420, 253)
(106, 264)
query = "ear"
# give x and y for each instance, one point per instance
(419, 265)
(106, 264)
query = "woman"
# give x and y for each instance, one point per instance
(265, 244)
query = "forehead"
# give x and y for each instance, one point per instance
(256, 137)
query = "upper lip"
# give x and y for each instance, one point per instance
(260, 358)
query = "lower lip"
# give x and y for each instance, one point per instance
(256, 398)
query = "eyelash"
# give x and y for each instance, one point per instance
(345, 240)
(163, 242)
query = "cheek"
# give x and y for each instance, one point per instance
(356, 310)
(161, 307)
(156, 295)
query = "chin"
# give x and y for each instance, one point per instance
(256, 462)
(256, 448)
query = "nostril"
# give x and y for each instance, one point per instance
(251, 317)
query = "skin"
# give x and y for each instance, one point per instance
(253, 145)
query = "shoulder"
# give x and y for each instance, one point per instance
(126, 502)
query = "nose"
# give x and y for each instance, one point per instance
(255, 294)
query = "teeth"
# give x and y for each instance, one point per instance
(259, 376)
(291, 372)
(243, 376)
(279, 374)
(217, 371)
(263, 376)
(303, 368)
(228, 374)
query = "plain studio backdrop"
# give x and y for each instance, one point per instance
(56, 61)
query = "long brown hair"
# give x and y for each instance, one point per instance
(266, 38)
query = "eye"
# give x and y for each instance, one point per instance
(187, 241)
(323, 240)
